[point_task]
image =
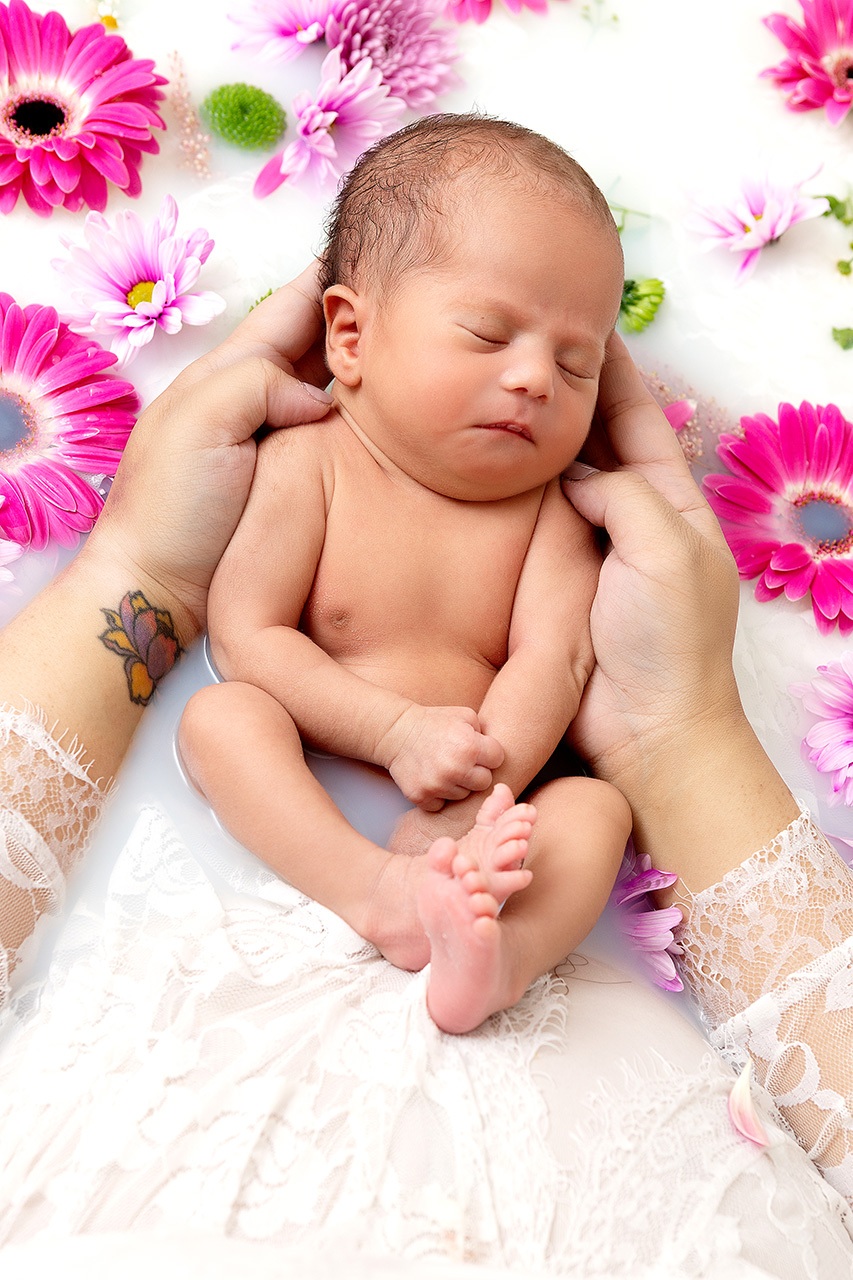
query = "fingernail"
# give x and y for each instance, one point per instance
(579, 471)
(317, 393)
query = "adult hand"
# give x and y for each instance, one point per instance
(185, 474)
(663, 618)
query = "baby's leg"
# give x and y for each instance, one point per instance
(243, 752)
(481, 961)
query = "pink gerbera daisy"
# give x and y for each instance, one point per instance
(648, 928)
(60, 413)
(281, 29)
(133, 280)
(76, 112)
(9, 552)
(818, 69)
(401, 38)
(830, 740)
(479, 10)
(757, 216)
(351, 111)
(787, 509)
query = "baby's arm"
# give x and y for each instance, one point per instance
(535, 695)
(255, 605)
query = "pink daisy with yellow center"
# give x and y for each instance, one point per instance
(787, 508)
(76, 112)
(61, 413)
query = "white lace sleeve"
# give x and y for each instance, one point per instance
(768, 955)
(48, 804)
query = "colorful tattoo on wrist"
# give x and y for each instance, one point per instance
(145, 638)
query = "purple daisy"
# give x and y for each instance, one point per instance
(829, 742)
(401, 38)
(787, 507)
(818, 69)
(132, 280)
(281, 29)
(76, 112)
(758, 215)
(60, 413)
(352, 110)
(648, 928)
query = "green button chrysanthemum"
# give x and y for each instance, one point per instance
(244, 115)
(640, 301)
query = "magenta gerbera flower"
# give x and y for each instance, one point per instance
(648, 928)
(401, 38)
(133, 280)
(479, 10)
(9, 552)
(61, 413)
(818, 69)
(352, 109)
(76, 112)
(787, 509)
(830, 740)
(757, 216)
(281, 29)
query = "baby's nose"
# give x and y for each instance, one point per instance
(531, 372)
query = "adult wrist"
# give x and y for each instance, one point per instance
(106, 562)
(706, 801)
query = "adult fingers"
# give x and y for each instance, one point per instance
(231, 404)
(640, 521)
(637, 432)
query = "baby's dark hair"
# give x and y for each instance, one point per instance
(389, 215)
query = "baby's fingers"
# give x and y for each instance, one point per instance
(477, 779)
(490, 755)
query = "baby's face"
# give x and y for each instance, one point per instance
(480, 377)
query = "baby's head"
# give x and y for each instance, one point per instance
(462, 236)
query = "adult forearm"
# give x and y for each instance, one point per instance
(90, 662)
(704, 795)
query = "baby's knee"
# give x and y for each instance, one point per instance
(212, 719)
(598, 806)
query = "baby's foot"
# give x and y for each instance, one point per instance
(497, 844)
(470, 965)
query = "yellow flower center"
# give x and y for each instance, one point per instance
(109, 22)
(142, 292)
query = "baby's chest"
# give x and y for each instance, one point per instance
(433, 576)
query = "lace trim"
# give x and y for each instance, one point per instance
(48, 805)
(768, 956)
(208, 1061)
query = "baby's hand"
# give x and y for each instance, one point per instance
(438, 753)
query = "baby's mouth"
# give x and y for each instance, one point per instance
(514, 428)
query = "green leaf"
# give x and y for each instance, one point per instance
(844, 338)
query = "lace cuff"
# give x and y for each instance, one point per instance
(48, 804)
(768, 956)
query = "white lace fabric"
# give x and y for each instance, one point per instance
(768, 955)
(216, 1055)
(48, 805)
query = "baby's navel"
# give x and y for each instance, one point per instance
(340, 619)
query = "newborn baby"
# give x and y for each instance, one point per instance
(408, 586)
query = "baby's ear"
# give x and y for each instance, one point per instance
(343, 309)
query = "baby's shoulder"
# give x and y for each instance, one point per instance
(301, 454)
